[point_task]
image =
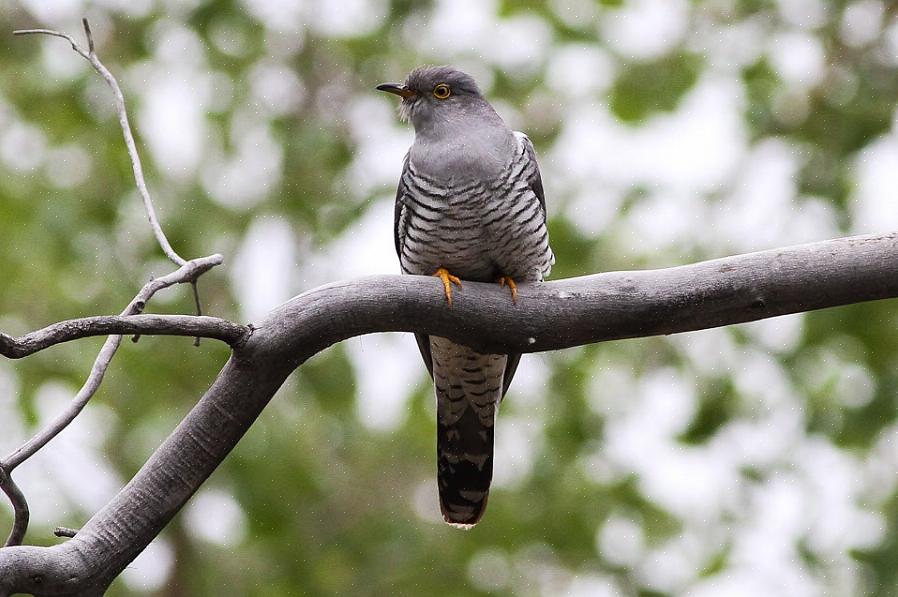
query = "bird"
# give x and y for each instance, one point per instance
(469, 206)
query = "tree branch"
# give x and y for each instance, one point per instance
(91, 56)
(186, 273)
(104, 325)
(547, 316)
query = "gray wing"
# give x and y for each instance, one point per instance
(399, 209)
(399, 225)
(535, 180)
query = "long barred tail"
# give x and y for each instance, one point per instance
(468, 390)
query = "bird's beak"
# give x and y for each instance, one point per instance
(397, 89)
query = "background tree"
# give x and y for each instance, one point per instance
(757, 458)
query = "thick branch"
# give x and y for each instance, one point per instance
(547, 316)
(609, 306)
(104, 325)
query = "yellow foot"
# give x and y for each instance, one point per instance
(448, 279)
(511, 285)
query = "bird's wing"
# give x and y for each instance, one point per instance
(399, 228)
(535, 181)
(532, 172)
(399, 209)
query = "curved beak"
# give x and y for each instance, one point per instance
(397, 89)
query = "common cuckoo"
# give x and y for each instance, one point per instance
(469, 206)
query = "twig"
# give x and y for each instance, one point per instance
(19, 506)
(188, 272)
(104, 325)
(91, 57)
(199, 307)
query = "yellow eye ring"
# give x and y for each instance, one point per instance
(441, 91)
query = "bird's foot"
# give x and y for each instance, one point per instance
(507, 280)
(448, 279)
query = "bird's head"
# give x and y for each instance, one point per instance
(436, 93)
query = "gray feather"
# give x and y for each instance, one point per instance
(470, 200)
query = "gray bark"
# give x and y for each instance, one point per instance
(547, 316)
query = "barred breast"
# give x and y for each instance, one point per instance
(479, 228)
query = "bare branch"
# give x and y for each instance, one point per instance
(186, 273)
(19, 506)
(131, 146)
(104, 325)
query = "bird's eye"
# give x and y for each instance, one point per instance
(441, 91)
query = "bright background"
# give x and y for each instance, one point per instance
(753, 460)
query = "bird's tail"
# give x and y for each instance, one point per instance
(468, 390)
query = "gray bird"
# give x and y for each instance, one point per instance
(469, 206)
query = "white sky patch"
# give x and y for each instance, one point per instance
(531, 389)
(171, 120)
(387, 368)
(729, 47)
(347, 18)
(807, 14)
(456, 26)
(216, 517)
(263, 273)
(68, 166)
(55, 11)
(710, 352)
(489, 570)
(71, 472)
(798, 58)
(662, 222)
(517, 44)
(669, 566)
(834, 479)
(778, 334)
(761, 211)
(151, 569)
(621, 540)
(874, 205)
(762, 379)
(591, 210)
(694, 149)
(13, 434)
(22, 147)
(645, 29)
(283, 15)
(593, 585)
(275, 87)
(579, 70)
(765, 542)
(517, 441)
(577, 14)
(365, 248)
(62, 67)
(130, 8)
(380, 147)
(425, 501)
(244, 178)
(861, 22)
(695, 483)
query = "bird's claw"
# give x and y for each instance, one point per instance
(448, 279)
(503, 280)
